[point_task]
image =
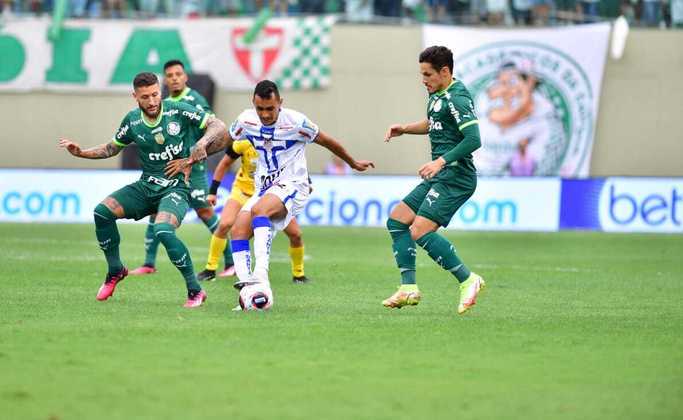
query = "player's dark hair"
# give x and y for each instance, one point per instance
(438, 56)
(265, 88)
(145, 79)
(171, 63)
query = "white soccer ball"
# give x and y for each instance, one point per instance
(256, 297)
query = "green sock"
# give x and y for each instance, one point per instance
(443, 253)
(212, 224)
(404, 250)
(178, 254)
(108, 237)
(151, 244)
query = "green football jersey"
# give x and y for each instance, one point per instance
(449, 111)
(169, 137)
(194, 98)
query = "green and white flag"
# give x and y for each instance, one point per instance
(310, 66)
(106, 55)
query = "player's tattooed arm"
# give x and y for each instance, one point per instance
(215, 139)
(335, 147)
(103, 151)
(418, 127)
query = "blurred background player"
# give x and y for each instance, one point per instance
(449, 181)
(161, 135)
(241, 191)
(175, 80)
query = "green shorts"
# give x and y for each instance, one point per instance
(438, 199)
(199, 188)
(141, 199)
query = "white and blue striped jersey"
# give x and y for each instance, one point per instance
(280, 146)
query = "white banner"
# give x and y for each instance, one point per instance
(536, 92)
(527, 204)
(106, 55)
(498, 204)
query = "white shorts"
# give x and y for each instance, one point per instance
(293, 195)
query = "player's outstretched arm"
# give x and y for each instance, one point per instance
(335, 147)
(103, 151)
(419, 127)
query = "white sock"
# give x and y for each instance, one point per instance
(263, 238)
(241, 257)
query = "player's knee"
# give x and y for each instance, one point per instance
(393, 225)
(416, 233)
(295, 239)
(163, 231)
(223, 228)
(103, 214)
(205, 213)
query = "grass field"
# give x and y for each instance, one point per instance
(571, 326)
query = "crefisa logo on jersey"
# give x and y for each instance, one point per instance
(532, 100)
(173, 128)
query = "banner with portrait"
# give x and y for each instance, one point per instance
(536, 93)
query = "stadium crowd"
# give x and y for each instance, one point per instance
(649, 13)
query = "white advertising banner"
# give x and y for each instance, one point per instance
(59, 196)
(106, 55)
(498, 204)
(536, 92)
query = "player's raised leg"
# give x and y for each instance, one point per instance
(108, 237)
(172, 208)
(240, 233)
(296, 252)
(404, 249)
(268, 207)
(151, 247)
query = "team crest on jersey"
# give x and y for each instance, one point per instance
(436, 106)
(173, 129)
(159, 138)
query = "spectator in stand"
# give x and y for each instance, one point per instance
(521, 11)
(359, 10)
(436, 10)
(312, 7)
(568, 10)
(477, 11)
(590, 10)
(651, 12)
(388, 8)
(677, 13)
(541, 11)
(496, 11)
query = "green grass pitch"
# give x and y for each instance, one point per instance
(571, 326)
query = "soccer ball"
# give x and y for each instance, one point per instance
(256, 297)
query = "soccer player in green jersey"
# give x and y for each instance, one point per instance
(163, 131)
(175, 80)
(448, 181)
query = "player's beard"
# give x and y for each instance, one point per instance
(151, 116)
